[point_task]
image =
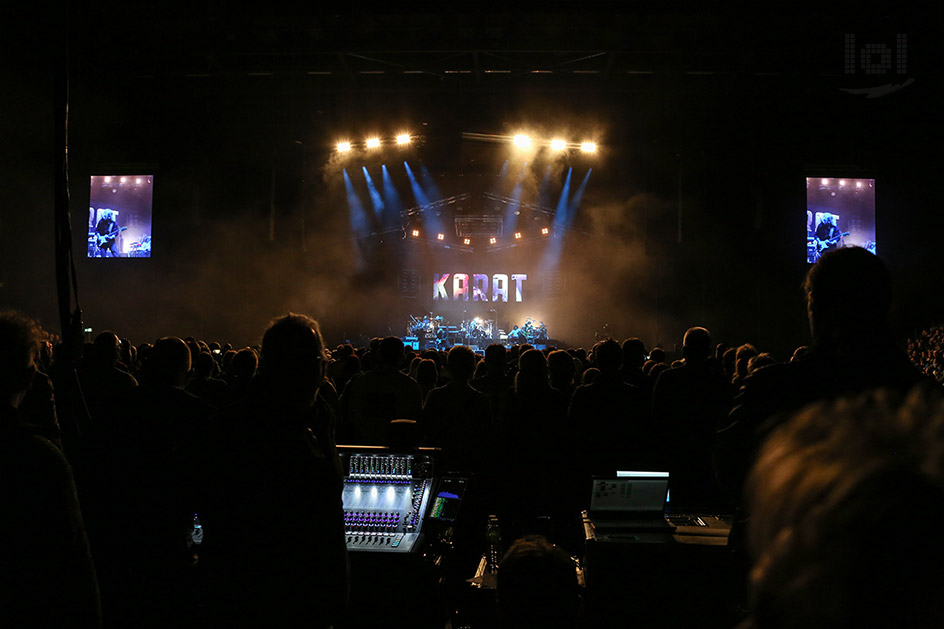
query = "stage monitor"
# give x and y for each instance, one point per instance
(119, 219)
(840, 212)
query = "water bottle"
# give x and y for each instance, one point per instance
(197, 534)
(493, 538)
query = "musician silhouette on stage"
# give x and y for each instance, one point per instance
(828, 235)
(107, 234)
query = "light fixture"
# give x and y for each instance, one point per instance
(403, 138)
(517, 235)
(588, 147)
(467, 241)
(440, 236)
(492, 240)
(373, 143)
(558, 145)
(344, 147)
(522, 140)
(416, 233)
(545, 231)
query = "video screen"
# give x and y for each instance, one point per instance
(840, 212)
(448, 499)
(119, 220)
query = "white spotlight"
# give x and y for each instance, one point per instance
(373, 143)
(403, 138)
(588, 147)
(558, 145)
(522, 140)
(344, 147)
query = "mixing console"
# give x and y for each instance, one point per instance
(385, 498)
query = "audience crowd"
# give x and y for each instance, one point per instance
(108, 460)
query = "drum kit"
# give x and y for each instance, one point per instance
(141, 248)
(436, 332)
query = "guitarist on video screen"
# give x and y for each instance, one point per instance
(107, 232)
(828, 236)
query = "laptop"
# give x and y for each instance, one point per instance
(629, 500)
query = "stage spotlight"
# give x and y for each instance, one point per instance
(545, 231)
(403, 138)
(492, 240)
(517, 235)
(588, 147)
(558, 145)
(373, 143)
(467, 241)
(344, 147)
(440, 236)
(842, 182)
(825, 182)
(107, 179)
(416, 233)
(858, 184)
(522, 140)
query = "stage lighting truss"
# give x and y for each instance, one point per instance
(373, 143)
(557, 145)
(474, 230)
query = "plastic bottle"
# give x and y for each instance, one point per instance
(494, 540)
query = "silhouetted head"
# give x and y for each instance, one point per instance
(168, 362)
(561, 368)
(461, 362)
(634, 352)
(532, 371)
(608, 356)
(845, 501)
(390, 351)
(427, 373)
(696, 344)
(204, 366)
(742, 357)
(537, 585)
(848, 292)
(293, 359)
(19, 350)
(107, 347)
(244, 363)
(495, 355)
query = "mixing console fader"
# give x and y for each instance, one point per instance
(385, 498)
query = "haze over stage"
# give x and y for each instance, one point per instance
(705, 124)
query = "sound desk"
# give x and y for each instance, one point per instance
(388, 496)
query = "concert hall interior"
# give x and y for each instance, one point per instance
(545, 176)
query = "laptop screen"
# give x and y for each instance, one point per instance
(640, 492)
